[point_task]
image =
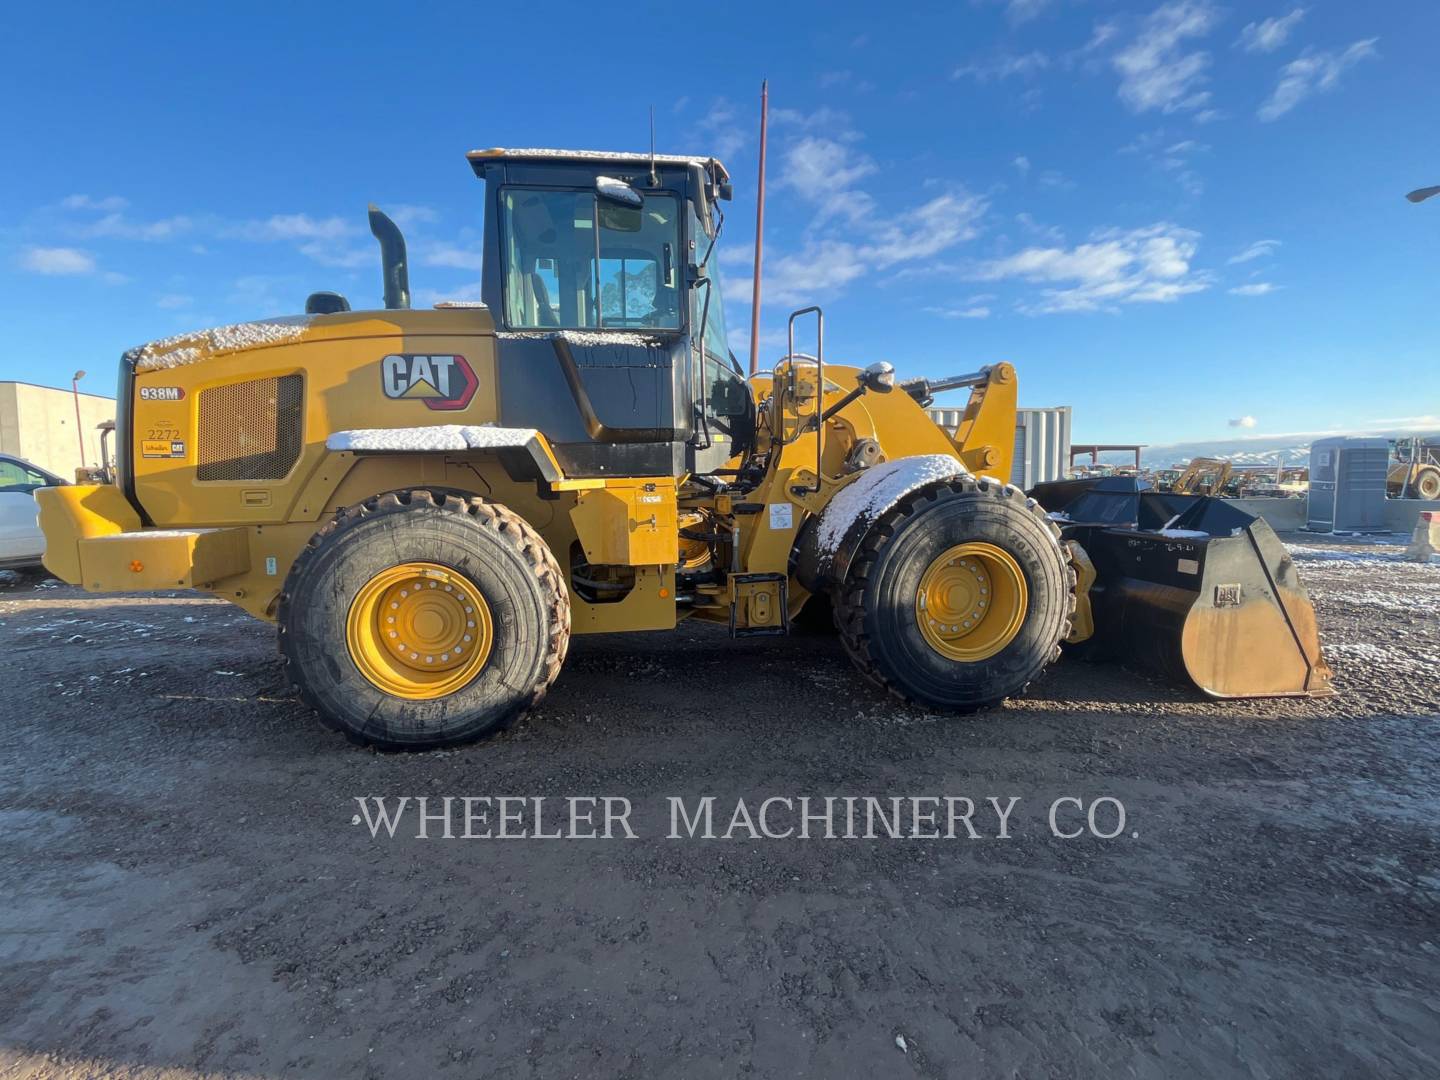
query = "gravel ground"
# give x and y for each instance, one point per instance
(184, 892)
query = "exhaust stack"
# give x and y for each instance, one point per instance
(392, 258)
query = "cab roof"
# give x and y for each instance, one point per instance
(480, 158)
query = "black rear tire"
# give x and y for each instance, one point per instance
(875, 608)
(496, 551)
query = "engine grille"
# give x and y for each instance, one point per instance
(250, 430)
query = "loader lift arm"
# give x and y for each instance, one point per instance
(985, 436)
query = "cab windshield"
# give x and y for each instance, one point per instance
(574, 261)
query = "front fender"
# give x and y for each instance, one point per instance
(829, 540)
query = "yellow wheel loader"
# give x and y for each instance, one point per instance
(428, 503)
(1414, 471)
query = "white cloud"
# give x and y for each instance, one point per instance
(1155, 72)
(978, 311)
(927, 230)
(329, 240)
(1256, 288)
(1145, 265)
(850, 234)
(1172, 157)
(459, 258)
(1269, 34)
(822, 170)
(1311, 74)
(721, 131)
(408, 215)
(1260, 249)
(174, 300)
(56, 261)
(107, 203)
(821, 267)
(1022, 165)
(1103, 33)
(116, 226)
(1020, 11)
(1054, 178)
(298, 227)
(1052, 233)
(1003, 66)
(1242, 422)
(832, 123)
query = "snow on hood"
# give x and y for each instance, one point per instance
(436, 437)
(585, 339)
(183, 349)
(591, 155)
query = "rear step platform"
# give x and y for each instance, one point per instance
(162, 558)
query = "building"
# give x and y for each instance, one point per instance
(1042, 442)
(37, 423)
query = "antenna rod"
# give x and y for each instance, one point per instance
(654, 176)
(759, 230)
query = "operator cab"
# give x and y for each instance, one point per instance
(599, 270)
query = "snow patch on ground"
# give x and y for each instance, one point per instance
(1354, 557)
(437, 437)
(877, 490)
(1421, 599)
(1391, 658)
(192, 347)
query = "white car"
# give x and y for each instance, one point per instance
(21, 542)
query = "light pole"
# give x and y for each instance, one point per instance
(759, 230)
(1421, 194)
(79, 429)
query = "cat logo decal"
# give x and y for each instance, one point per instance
(441, 382)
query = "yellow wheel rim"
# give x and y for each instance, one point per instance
(419, 631)
(971, 601)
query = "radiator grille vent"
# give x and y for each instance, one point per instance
(250, 430)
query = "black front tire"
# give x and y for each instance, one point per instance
(875, 607)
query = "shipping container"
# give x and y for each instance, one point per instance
(1042, 443)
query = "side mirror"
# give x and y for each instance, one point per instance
(618, 191)
(879, 377)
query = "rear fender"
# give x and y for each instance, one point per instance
(524, 453)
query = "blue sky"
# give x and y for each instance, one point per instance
(1185, 219)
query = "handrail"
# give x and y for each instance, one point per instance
(819, 378)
